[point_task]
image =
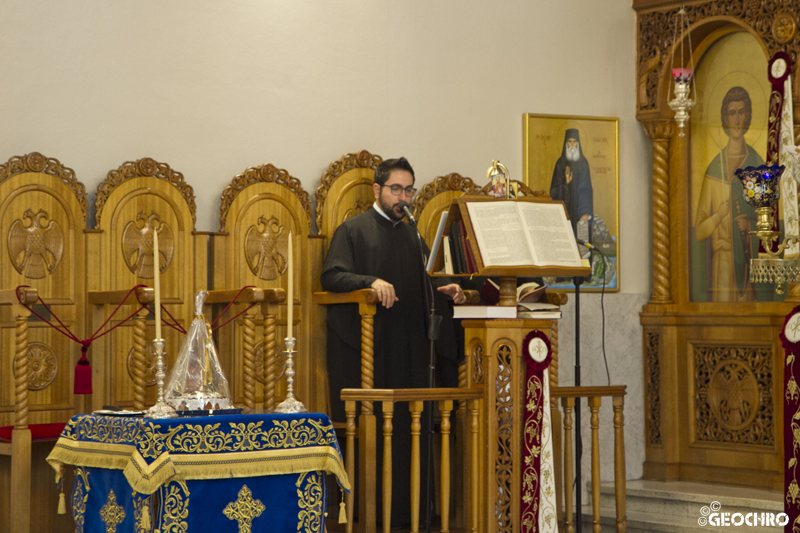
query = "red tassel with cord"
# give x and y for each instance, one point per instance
(83, 372)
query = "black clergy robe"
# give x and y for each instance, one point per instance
(363, 249)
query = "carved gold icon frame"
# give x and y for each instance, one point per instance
(589, 186)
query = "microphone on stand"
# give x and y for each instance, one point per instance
(404, 206)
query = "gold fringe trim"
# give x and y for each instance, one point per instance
(146, 479)
(81, 453)
(262, 463)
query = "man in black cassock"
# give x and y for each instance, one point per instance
(378, 250)
(571, 181)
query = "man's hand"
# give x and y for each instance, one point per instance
(454, 291)
(568, 175)
(385, 292)
(584, 218)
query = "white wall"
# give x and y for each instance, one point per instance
(212, 87)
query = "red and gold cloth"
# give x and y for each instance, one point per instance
(537, 506)
(790, 339)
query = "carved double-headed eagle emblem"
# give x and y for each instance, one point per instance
(137, 244)
(266, 254)
(35, 244)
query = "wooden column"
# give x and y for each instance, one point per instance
(660, 132)
(139, 370)
(21, 435)
(249, 358)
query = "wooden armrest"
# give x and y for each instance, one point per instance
(363, 296)
(555, 298)
(145, 295)
(24, 295)
(250, 295)
(473, 297)
(410, 395)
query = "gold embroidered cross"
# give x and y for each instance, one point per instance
(112, 514)
(244, 510)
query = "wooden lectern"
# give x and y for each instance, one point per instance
(494, 354)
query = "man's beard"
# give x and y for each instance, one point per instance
(573, 153)
(389, 211)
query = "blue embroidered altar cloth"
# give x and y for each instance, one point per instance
(223, 473)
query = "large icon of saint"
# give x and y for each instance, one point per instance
(723, 217)
(572, 183)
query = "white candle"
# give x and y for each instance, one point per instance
(290, 297)
(157, 277)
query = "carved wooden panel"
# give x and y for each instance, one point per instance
(35, 244)
(733, 394)
(653, 388)
(137, 244)
(773, 21)
(477, 364)
(266, 248)
(504, 461)
(435, 197)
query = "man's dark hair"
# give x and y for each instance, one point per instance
(386, 167)
(736, 94)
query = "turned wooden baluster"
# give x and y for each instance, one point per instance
(416, 412)
(619, 463)
(474, 476)
(388, 412)
(350, 461)
(249, 358)
(270, 311)
(594, 408)
(569, 405)
(445, 407)
(139, 369)
(367, 313)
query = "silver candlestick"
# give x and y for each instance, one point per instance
(290, 404)
(161, 409)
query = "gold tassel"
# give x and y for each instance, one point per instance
(62, 504)
(146, 517)
(342, 511)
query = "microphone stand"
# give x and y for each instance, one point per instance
(434, 321)
(578, 442)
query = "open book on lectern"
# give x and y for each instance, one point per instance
(529, 236)
(524, 233)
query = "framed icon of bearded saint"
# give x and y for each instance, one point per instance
(728, 128)
(576, 160)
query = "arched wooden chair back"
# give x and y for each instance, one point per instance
(345, 191)
(259, 209)
(435, 197)
(43, 214)
(132, 201)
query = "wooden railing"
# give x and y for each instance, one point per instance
(416, 399)
(594, 395)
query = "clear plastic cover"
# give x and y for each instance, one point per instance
(196, 381)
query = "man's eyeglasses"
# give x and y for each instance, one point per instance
(397, 189)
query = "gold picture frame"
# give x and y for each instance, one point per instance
(588, 185)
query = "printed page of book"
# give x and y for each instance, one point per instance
(549, 234)
(498, 229)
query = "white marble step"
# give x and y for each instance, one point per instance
(676, 506)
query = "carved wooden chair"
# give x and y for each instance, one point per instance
(346, 191)
(131, 203)
(43, 221)
(259, 209)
